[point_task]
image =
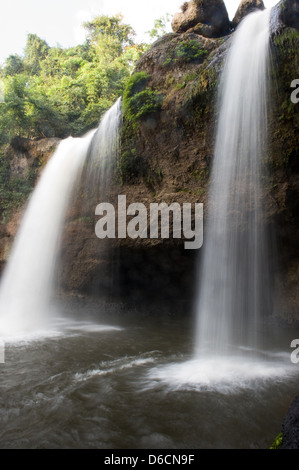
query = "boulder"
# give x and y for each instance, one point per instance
(246, 7)
(289, 13)
(210, 14)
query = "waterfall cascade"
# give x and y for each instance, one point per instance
(104, 151)
(234, 287)
(28, 279)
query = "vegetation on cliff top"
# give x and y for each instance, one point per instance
(52, 91)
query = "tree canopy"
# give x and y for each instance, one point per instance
(52, 91)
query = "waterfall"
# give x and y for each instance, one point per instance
(104, 151)
(28, 280)
(234, 278)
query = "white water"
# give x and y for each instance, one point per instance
(27, 282)
(227, 375)
(104, 150)
(234, 287)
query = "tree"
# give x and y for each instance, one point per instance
(109, 36)
(13, 65)
(36, 51)
(160, 27)
(105, 26)
(61, 92)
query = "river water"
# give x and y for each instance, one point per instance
(101, 376)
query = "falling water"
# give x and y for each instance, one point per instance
(27, 282)
(104, 150)
(234, 277)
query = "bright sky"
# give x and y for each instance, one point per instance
(59, 21)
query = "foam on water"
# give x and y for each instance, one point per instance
(229, 374)
(116, 366)
(60, 328)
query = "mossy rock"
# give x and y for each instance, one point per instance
(140, 100)
(189, 51)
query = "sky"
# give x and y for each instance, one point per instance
(59, 21)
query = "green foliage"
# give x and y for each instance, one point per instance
(190, 51)
(277, 442)
(105, 30)
(160, 27)
(14, 65)
(187, 51)
(55, 91)
(146, 102)
(36, 51)
(287, 38)
(135, 85)
(139, 100)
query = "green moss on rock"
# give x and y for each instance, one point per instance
(277, 442)
(187, 52)
(140, 100)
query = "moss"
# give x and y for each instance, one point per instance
(180, 86)
(127, 165)
(160, 174)
(190, 51)
(190, 77)
(186, 52)
(169, 80)
(201, 176)
(136, 83)
(146, 102)
(289, 35)
(277, 442)
(200, 94)
(139, 100)
(184, 190)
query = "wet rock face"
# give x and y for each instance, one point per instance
(289, 13)
(290, 427)
(210, 17)
(246, 7)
